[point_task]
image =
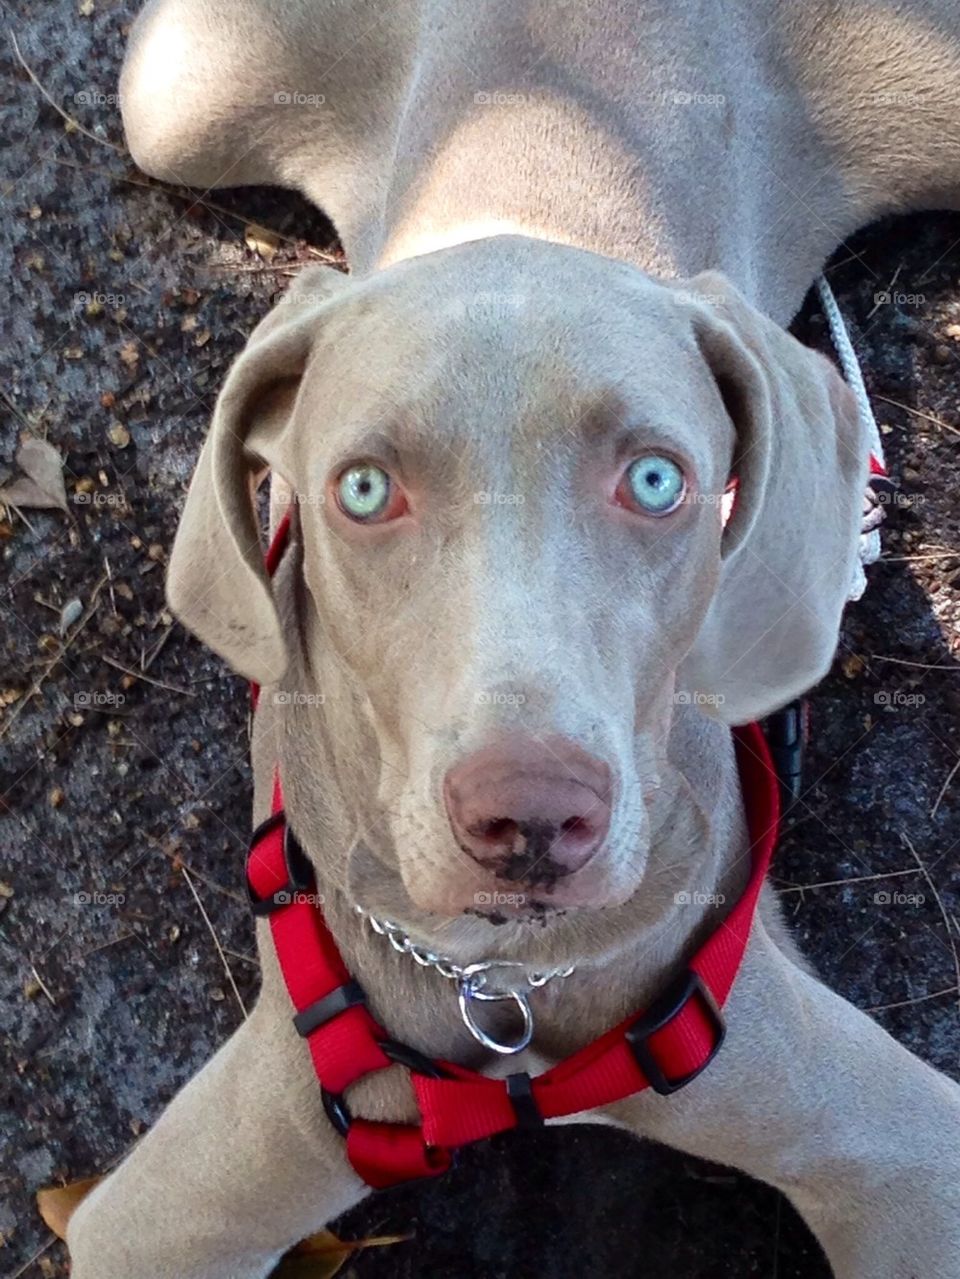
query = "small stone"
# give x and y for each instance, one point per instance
(56, 797)
(119, 435)
(69, 614)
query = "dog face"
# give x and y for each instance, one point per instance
(508, 462)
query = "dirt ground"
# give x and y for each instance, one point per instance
(124, 781)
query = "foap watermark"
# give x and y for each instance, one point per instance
(688, 297)
(501, 699)
(298, 898)
(294, 98)
(499, 98)
(99, 499)
(287, 497)
(93, 97)
(695, 898)
(97, 699)
(83, 299)
(685, 697)
(897, 98)
(888, 897)
(99, 899)
(689, 98)
(886, 297)
(895, 698)
(294, 697)
(499, 899)
(486, 498)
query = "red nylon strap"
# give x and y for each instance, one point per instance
(469, 1106)
(346, 1047)
(385, 1154)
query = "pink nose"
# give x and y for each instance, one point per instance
(529, 811)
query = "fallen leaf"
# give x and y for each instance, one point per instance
(263, 241)
(57, 1204)
(41, 486)
(324, 1255)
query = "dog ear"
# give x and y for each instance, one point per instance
(790, 546)
(216, 582)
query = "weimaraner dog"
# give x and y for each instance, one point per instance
(515, 619)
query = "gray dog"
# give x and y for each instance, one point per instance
(515, 618)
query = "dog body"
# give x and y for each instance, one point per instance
(524, 191)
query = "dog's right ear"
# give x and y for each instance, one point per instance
(216, 583)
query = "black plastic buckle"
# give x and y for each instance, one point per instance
(300, 876)
(337, 1110)
(662, 1011)
(520, 1092)
(785, 737)
(323, 1010)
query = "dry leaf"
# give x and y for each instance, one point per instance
(57, 1204)
(324, 1255)
(262, 241)
(41, 487)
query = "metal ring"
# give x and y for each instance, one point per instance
(467, 993)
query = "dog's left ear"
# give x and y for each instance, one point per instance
(216, 583)
(789, 549)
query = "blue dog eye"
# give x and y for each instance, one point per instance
(363, 491)
(657, 484)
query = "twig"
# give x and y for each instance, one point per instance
(59, 110)
(855, 879)
(158, 648)
(943, 789)
(917, 559)
(54, 661)
(908, 1003)
(216, 939)
(43, 985)
(920, 666)
(32, 1261)
(927, 417)
(887, 290)
(937, 898)
(192, 198)
(147, 679)
(109, 572)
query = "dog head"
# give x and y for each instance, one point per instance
(514, 563)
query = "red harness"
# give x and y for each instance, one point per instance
(663, 1047)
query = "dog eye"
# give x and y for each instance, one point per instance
(653, 485)
(366, 493)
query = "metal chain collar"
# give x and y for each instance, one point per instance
(474, 982)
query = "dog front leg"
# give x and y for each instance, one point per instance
(812, 1096)
(241, 1165)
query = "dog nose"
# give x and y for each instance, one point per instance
(529, 811)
